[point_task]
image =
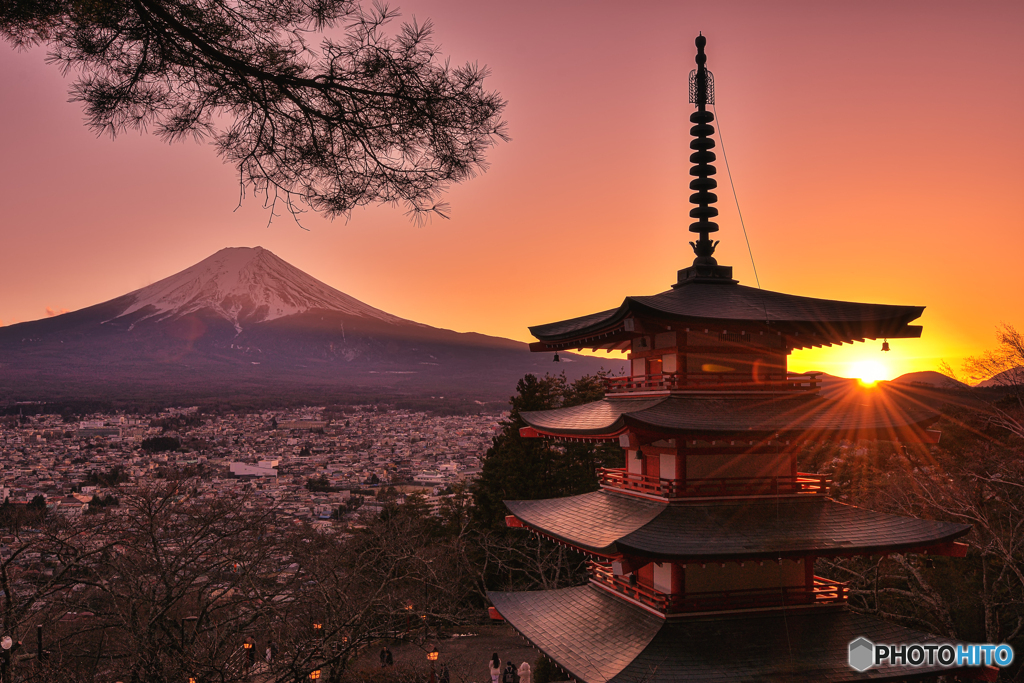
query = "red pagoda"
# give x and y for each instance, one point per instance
(702, 548)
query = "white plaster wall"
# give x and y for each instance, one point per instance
(663, 577)
(668, 466)
(633, 464)
(670, 363)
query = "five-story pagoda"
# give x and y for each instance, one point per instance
(703, 546)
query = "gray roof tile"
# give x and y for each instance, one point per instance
(886, 415)
(704, 302)
(598, 638)
(605, 522)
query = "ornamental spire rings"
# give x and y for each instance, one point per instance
(702, 93)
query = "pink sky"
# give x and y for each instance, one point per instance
(877, 149)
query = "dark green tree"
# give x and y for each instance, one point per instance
(517, 468)
(319, 484)
(97, 504)
(114, 476)
(158, 444)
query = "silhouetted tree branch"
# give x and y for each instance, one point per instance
(369, 117)
(1004, 367)
(974, 476)
(168, 586)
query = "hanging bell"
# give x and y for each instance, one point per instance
(885, 345)
(556, 359)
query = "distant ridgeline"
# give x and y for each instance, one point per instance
(244, 325)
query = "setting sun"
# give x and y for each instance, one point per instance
(868, 371)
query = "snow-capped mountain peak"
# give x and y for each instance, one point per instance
(245, 285)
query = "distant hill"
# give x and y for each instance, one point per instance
(1013, 376)
(245, 323)
(930, 378)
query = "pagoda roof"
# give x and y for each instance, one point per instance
(814, 322)
(597, 637)
(884, 415)
(608, 523)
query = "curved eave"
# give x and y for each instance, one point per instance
(592, 522)
(932, 534)
(887, 417)
(606, 524)
(594, 324)
(591, 635)
(805, 321)
(597, 638)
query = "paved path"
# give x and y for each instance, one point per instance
(467, 656)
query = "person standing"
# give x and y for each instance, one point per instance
(525, 673)
(386, 658)
(495, 666)
(510, 675)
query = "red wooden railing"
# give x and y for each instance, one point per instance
(803, 484)
(602, 574)
(821, 591)
(707, 380)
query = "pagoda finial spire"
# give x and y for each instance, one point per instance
(702, 93)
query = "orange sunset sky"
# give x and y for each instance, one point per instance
(877, 150)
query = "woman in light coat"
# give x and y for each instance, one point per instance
(525, 674)
(495, 665)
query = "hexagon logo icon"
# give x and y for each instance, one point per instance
(862, 654)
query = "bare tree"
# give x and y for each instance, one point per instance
(525, 561)
(178, 586)
(978, 479)
(168, 587)
(1004, 367)
(374, 116)
(40, 567)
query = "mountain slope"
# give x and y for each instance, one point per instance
(930, 378)
(244, 285)
(1006, 378)
(244, 321)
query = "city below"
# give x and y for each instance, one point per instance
(306, 463)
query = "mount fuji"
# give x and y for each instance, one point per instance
(244, 285)
(244, 324)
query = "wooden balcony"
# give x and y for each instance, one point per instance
(821, 592)
(802, 484)
(707, 381)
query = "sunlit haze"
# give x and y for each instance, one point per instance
(876, 149)
(868, 371)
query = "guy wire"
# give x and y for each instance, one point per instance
(725, 157)
(767, 322)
